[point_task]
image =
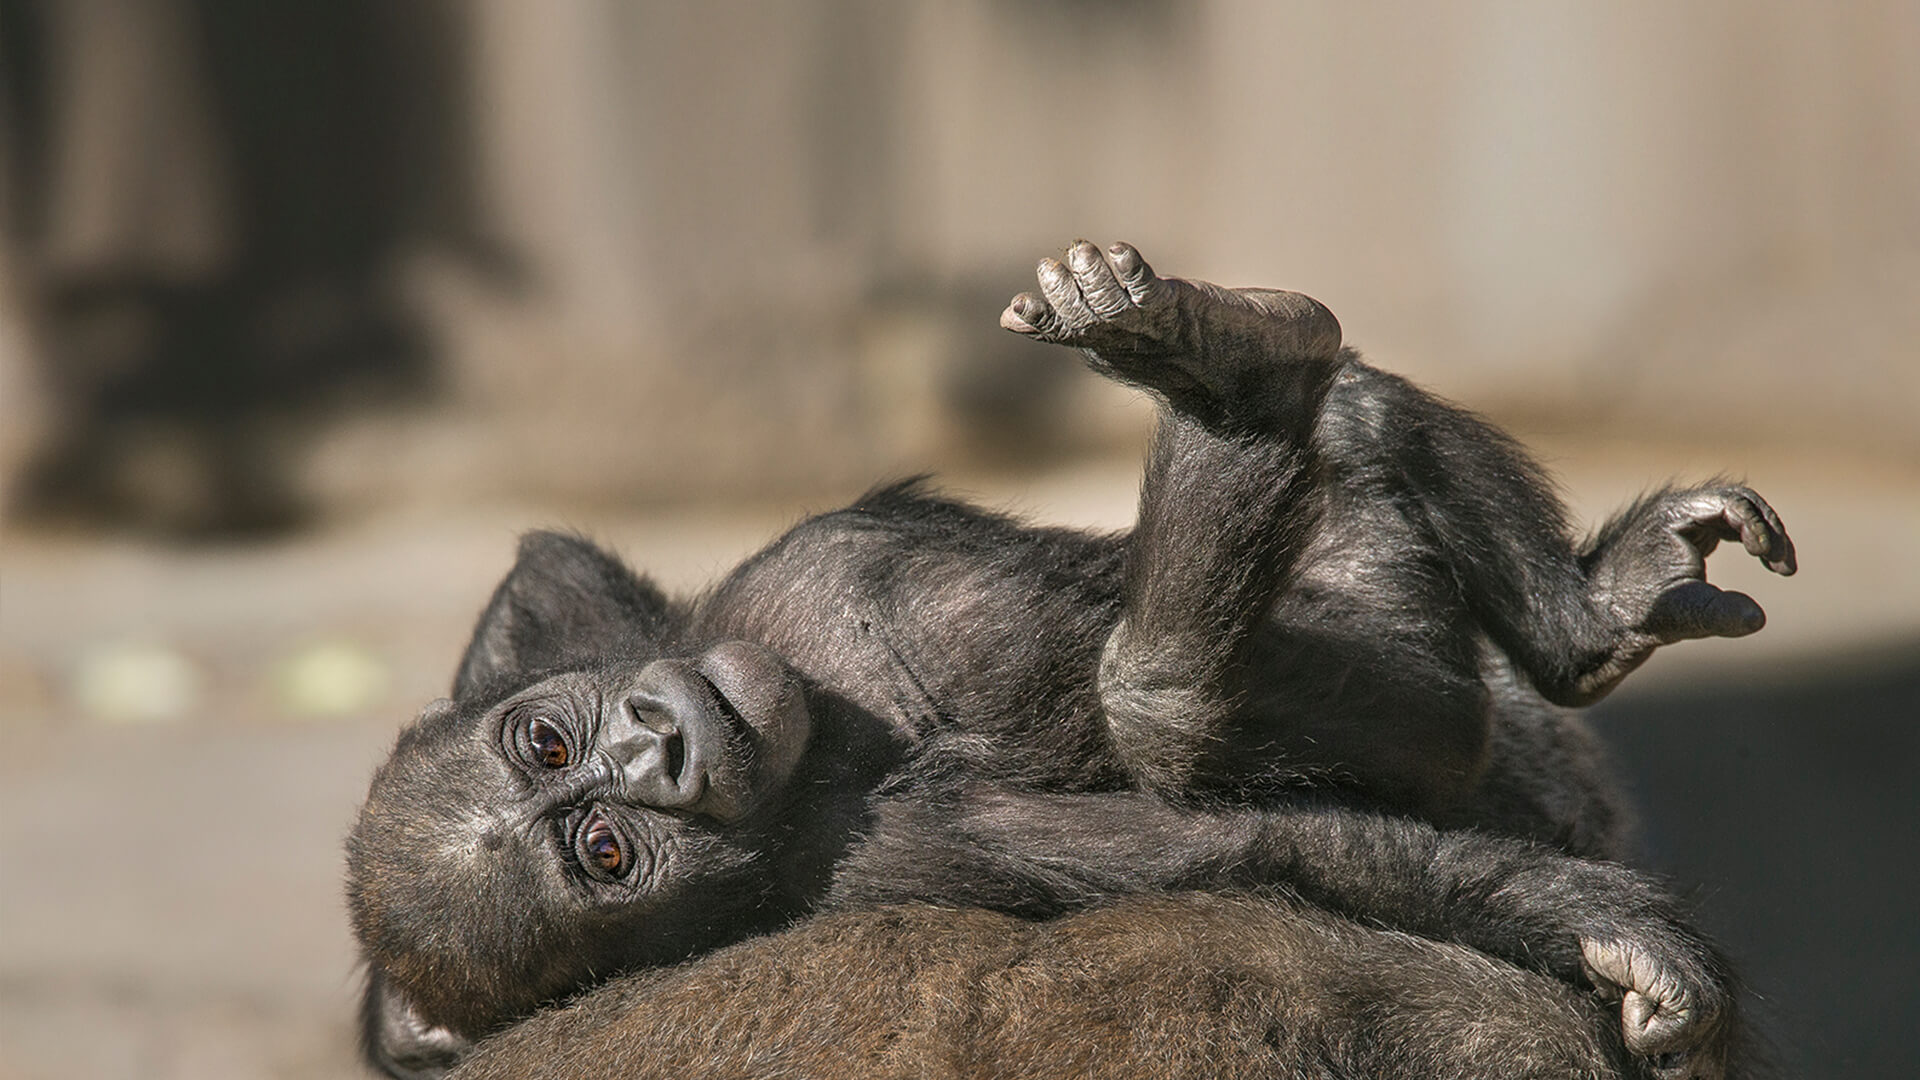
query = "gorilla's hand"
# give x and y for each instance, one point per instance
(1647, 575)
(1664, 1016)
(1678, 998)
(1651, 571)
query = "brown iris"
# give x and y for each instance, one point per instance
(549, 747)
(600, 845)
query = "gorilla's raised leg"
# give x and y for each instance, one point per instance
(1231, 505)
(1226, 505)
(1223, 521)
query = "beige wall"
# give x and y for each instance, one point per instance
(767, 238)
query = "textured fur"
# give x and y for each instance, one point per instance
(1155, 988)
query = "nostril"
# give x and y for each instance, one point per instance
(652, 714)
(675, 750)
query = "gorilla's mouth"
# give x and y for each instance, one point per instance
(714, 744)
(757, 712)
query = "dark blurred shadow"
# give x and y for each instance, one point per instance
(258, 170)
(1789, 802)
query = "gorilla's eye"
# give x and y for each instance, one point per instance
(600, 848)
(543, 743)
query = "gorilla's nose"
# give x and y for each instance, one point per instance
(645, 741)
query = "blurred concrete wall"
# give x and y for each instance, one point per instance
(767, 242)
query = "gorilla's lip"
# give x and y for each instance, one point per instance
(724, 705)
(756, 692)
(711, 740)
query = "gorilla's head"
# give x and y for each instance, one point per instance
(585, 803)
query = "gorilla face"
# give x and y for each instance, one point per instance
(707, 738)
(596, 795)
(556, 832)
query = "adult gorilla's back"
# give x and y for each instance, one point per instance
(1189, 985)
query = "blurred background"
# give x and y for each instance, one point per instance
(306, 309)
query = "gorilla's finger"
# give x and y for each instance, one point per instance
(1695, 609)
(1028, 314)
(1063, 292)
(1102, 289)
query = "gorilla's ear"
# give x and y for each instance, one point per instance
(397, 1042)
(564, 603)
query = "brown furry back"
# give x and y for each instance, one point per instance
(1158, 987)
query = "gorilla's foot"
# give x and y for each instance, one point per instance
(1168, 334)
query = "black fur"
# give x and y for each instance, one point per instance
(1341, 606)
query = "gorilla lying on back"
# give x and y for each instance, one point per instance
(1307, 644)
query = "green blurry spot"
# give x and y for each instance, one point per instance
(332, 678)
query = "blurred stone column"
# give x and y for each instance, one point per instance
(134, 184)
(691, 185)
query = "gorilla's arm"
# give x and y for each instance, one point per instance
(973, 845)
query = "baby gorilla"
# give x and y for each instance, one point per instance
(1315, 656)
